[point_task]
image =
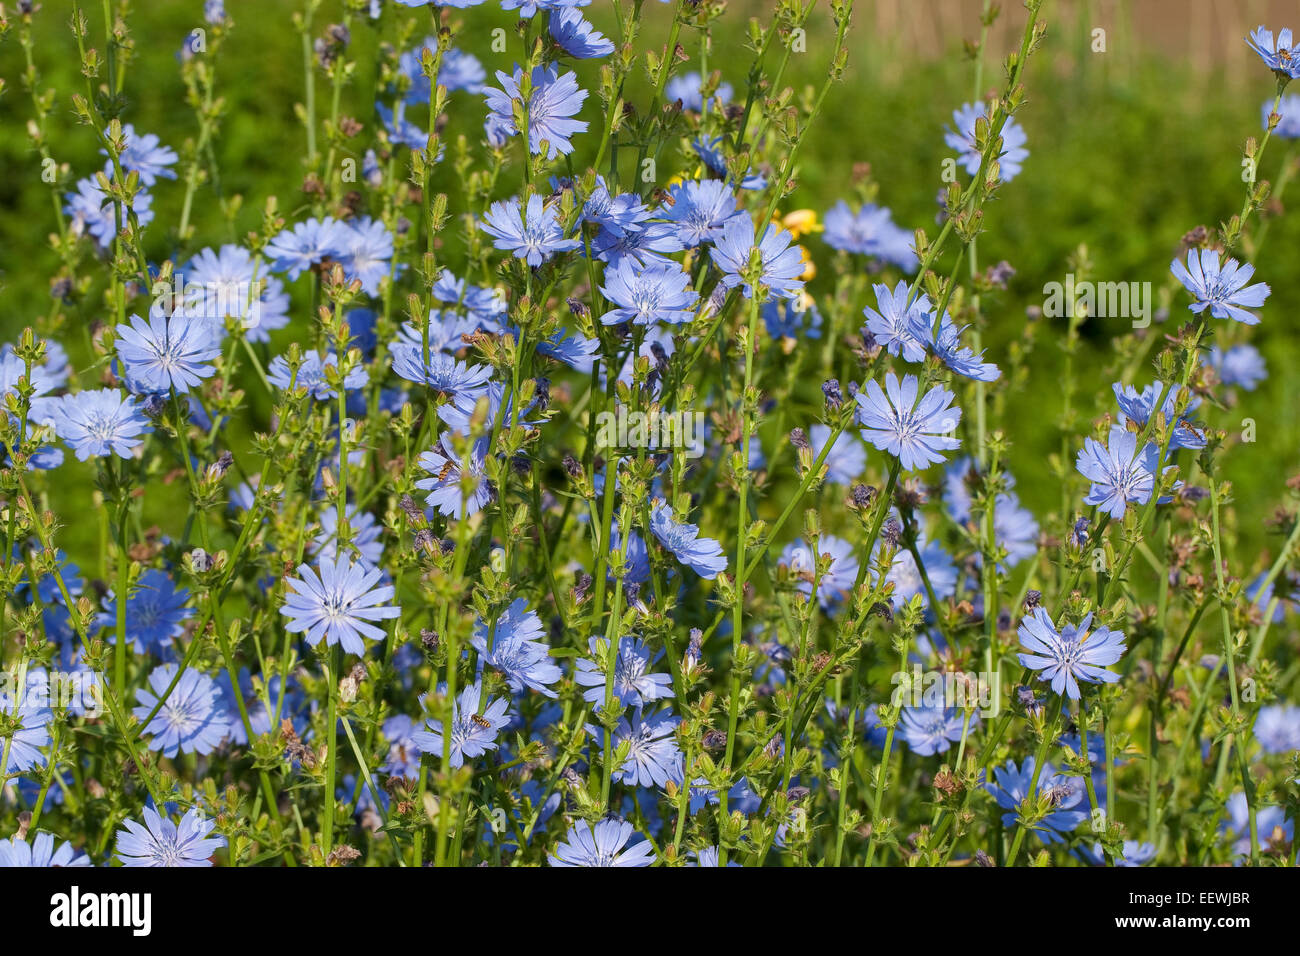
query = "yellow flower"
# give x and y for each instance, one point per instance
(799, 222)
(809, 267)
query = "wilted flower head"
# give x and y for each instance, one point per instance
(1267, 819)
